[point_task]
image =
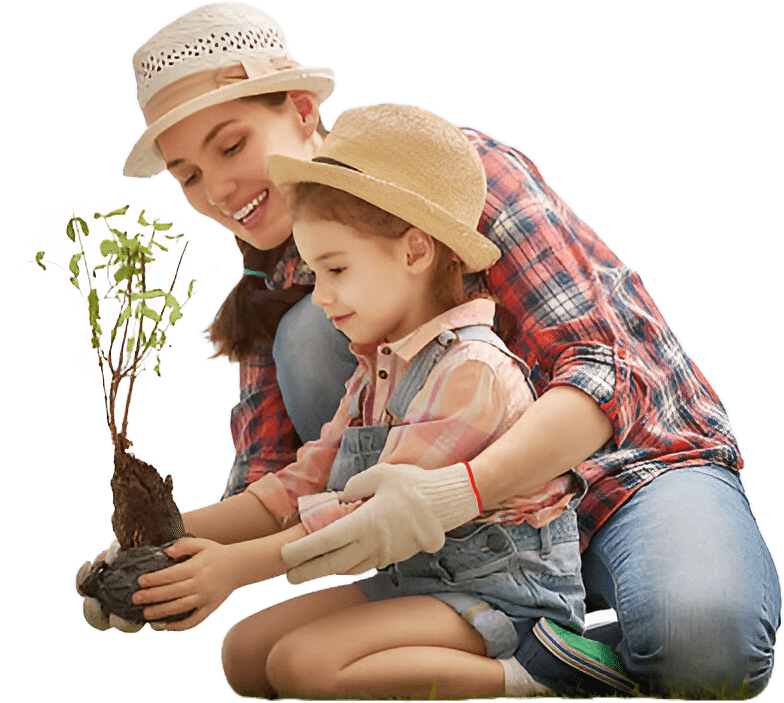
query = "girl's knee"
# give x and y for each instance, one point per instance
(241, 666)
(295, 670)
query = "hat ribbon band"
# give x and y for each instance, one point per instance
(333, 162)
(196, 84)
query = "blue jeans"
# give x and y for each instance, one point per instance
(313, 363)
(681, 562)
(694, 586)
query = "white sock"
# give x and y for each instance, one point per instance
(518, 683)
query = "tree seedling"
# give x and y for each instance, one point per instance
(118, 290)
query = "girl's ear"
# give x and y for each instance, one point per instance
(307, 108)
(420, 250)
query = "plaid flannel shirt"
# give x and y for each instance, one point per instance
(584, 320)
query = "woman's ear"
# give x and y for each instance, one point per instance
(307, 108)
(420, 250)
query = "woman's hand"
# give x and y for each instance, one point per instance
(200, 583)
(409, 510)
(93, 613)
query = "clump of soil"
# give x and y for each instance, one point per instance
(146, 520)
(145, 514)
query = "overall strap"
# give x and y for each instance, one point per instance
(432, 353)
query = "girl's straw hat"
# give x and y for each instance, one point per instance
(410, 163)
(212, 55)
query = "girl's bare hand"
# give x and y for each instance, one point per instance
(200, 584)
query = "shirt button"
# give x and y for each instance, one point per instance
(386, 350)
(382, 374)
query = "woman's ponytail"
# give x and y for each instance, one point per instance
(249, 317)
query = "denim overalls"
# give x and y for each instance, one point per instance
(501, 578)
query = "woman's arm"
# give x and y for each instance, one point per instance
(560, 430)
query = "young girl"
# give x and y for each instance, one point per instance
(617, 398)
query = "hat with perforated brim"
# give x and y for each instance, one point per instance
(212, 55)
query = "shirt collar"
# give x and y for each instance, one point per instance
(479, 311)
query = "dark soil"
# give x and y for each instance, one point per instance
(145, 514)
(146, 520)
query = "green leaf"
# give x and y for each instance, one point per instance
(121, 211)
(149, 312)
(71, 230)
(174, 316)
(129, 345)
(122, 274)
(38, 257)
(157, 368)
(142, 221)
(74, 265)
(160, 246)
(146, 295)
(190, 287)
(93, 308)
(109, 246)
(174, 236)
(123, 316)
(74, 281)
(161, 226)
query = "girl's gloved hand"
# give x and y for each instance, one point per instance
(409, 510)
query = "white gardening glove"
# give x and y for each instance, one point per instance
(92, 608)
(409, 510)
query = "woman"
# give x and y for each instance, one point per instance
(618, 398)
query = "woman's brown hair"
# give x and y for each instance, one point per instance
(248, 319)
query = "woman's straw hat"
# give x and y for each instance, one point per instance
(410, 163)
(212, 55)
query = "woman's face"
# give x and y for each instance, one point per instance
(219, 156)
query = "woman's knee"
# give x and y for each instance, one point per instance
(700, 646)
(313, 363)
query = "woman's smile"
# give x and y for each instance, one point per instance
(250, 215)
(219, 156)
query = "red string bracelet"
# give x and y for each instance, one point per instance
(473, 486)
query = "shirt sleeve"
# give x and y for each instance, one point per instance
(308, 473)
(561, 284)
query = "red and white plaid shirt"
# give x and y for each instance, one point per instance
(471, 397)
(585, 320)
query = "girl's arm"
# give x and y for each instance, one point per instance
(237, 519)
(203, 581)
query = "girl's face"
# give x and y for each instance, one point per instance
(370, 287)
(219, 156)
